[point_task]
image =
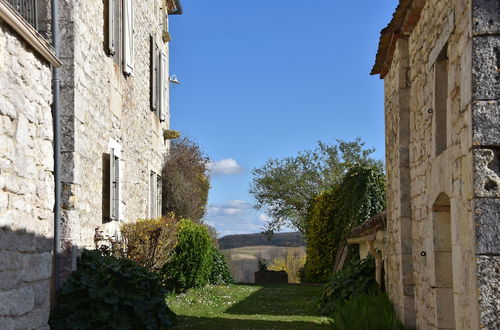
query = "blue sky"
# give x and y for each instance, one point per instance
(265, 79)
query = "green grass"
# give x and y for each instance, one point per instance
(249, 307)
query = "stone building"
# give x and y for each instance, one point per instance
(440, 61)
(26, 172)
(114, 76)
(114, 91)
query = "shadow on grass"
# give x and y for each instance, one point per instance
(279, 300)
(191, 322)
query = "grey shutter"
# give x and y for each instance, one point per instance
(111, 27)
(163, 86)
(154, 75)
(128, 37)
(117, 188)
(158, 195)
(152, 198)
(111, 183)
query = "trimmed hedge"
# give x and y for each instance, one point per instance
(107, 292)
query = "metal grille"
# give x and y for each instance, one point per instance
(27, 9)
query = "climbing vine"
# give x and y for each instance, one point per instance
(333, 214)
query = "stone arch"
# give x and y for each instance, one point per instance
(443, 263)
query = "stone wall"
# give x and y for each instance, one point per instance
(444, 28)
(486, 146)
(102, 107)
(26, 185)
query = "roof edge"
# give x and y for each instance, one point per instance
(174, 7)
(404, 19)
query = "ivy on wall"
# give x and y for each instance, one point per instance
(333, 214)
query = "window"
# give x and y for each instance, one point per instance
(120, 33)
(441, 101)
(155, 193)
(114, 189)
(159, 80)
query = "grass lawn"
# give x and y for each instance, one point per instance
(249, 307)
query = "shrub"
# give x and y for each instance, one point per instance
(356, 278)
(334, 213)
(219, 274)
(185, 182)
(291, 263)
(366, 311)
(191, 263)
(111, 293)
(263, 264)
(150, 242)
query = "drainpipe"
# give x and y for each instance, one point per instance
(56, 115)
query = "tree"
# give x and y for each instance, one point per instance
(334, 213)
(185, 182)
(285, 187)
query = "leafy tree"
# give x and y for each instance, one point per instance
(285, 187)
(185, 183)
(334, 213)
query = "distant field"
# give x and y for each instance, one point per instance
(243, 261)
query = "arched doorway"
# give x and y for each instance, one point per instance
(443, 265)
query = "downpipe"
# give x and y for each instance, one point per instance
(56, 116)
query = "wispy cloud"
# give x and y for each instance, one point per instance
(226, 166)
(234, 217)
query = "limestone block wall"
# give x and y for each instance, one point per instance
(486, 155)
(442, 23)
(26, 184)
(444, 34)
(102, 107)
(398, 257)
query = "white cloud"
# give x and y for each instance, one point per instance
(226, 166)
(264, 218)
(237, 217)
(234, 217)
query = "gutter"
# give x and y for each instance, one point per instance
(56, 116)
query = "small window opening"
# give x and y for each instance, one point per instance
(441, 101)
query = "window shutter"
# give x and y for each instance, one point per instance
(163, 86)
(158, 195)
(128, 37)
(152, 195)
(111, 184)
(154, 75)
(111, 27)
(117, 188)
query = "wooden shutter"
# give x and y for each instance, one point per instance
(163, 86)
(154, 74)
(152, 195)
(111, 184)
(128, 37)
(111, 27)
(117, 188)
(158, 195)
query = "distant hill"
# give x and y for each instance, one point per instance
(277, 239)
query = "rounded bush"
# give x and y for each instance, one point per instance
(191, 263)
(107, 292)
